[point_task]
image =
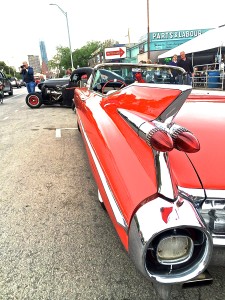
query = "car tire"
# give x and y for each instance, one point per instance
(34, 100)
(78, 126)
(1, 97)
(11, 91)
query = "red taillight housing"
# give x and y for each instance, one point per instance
(185, 141)
(159, 140)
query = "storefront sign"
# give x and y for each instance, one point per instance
(170, 39)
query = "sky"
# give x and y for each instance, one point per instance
(25, 23)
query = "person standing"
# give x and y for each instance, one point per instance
(27, 73)
(174, 78)
(68, 71)
(1, 91)
(185, 63)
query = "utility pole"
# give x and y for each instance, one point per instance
(148, 31)
(68, 31)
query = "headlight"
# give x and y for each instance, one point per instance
(174, 250)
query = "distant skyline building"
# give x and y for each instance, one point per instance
(44, 58)
(43, 52)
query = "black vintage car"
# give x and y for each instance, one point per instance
(58, 91)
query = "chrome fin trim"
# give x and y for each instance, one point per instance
(169, 113)
(142, 128)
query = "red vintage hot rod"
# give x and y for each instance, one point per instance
(156, 152)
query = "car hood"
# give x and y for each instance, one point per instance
(205, 118)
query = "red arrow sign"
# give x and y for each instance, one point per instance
(119, 52)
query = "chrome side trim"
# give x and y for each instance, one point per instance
(116, 210)
(164, 181)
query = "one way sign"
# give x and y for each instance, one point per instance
(115, 52)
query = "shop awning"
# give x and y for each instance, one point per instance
(214, 38)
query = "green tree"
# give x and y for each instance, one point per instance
(62, 60)
(2, 65)
(4, 68)
(8, 70)
(108, 44)
(82, 55)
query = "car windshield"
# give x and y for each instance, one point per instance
(115, 76)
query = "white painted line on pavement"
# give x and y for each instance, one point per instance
(5, 118)
(69, 128)
(58, 133)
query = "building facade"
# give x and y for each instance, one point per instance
(34, 61)
(160, 42)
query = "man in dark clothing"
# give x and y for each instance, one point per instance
(27, 73)
(186, 64)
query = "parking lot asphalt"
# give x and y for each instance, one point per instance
(56, 241)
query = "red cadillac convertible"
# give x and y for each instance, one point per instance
(156, 150)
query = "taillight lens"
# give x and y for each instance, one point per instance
(185, 141)
(174, 250)
(159, 140)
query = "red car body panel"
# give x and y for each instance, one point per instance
(154, 193)
(151, 103)
(117, 145)
(106, 139)
(204, 116)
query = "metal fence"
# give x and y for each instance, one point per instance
(209, 76)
